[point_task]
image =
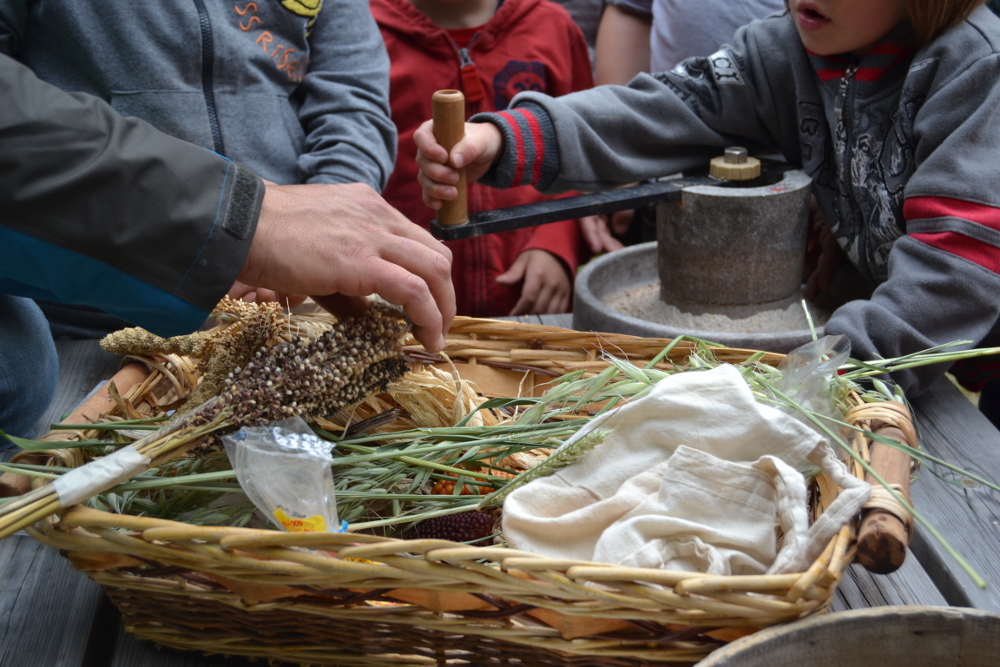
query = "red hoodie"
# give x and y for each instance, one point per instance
(526, 45)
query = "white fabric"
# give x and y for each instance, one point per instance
(99, 475)
(695, 476)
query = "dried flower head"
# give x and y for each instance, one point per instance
(301, 376)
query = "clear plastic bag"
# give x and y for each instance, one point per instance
(285, 469)
(807, 373)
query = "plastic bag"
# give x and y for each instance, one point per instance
(285, 469)
(807, 373)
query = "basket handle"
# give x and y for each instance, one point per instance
(884, 534)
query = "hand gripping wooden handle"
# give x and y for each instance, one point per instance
(448, 114)
(883, 536)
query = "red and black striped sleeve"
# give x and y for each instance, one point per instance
(530, 155)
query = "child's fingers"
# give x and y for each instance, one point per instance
(427, 143)
(435, 190)
(551, 297)
(433, 203)
(478, 149)
(466, 151)
(437, 181)
(595, 232)
(435, 171)
(621, 221)
(517, 270)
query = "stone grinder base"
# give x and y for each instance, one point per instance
(637, 266)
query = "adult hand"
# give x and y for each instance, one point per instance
(438, 175)
(341, 243)
(547, 287)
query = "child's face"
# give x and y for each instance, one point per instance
(830, 27)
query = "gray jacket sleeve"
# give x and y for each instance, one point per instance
(350, 136)
(103, 210)
(676, 120)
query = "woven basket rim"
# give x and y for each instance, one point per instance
(454, 572)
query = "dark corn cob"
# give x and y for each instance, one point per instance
(469, 527)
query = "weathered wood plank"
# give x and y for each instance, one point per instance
(82, 366)
(909, 585)
(967, 515)
(47, 609)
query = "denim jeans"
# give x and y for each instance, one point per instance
(29, 367)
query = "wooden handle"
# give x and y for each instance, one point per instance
(98, 403)
(448, 113)
(883, 537)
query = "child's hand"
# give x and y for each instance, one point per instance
(547, 287)
(597, 232)
(824, 256)
(476, 152)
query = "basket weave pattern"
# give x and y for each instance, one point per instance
(353, 599)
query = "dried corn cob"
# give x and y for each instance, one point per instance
(471, 527)
(446, 485)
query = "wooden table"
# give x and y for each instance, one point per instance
(53, 616)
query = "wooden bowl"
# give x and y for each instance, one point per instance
(915, 636)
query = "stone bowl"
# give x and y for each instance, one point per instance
(636, 266)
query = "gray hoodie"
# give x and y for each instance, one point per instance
(297, 90)
(903, 149)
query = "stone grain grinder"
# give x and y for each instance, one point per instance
(730, 241)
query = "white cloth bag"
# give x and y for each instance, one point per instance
(695, 476)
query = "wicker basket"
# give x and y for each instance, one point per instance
(350, 599)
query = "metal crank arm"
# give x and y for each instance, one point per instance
(568, 208)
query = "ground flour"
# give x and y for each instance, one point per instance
(643, 302)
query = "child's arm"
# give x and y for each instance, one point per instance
(622, 48)
(547, 287)
(674, 121)
(349, 134)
